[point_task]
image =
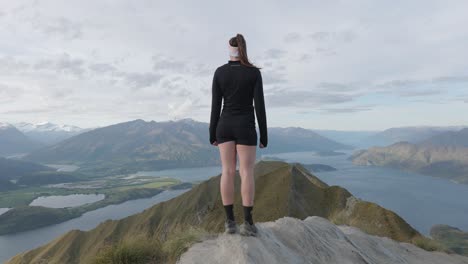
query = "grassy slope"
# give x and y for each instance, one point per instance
(282, 189)
(451, 237)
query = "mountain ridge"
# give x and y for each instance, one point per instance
(149, 145)
(282, 189)
(445, 161)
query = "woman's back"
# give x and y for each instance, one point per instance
(240, 86)
(236, 83)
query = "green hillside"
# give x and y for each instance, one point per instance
(452, 237)
(282, 189)
(449, 162)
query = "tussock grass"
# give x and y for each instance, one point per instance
(429, 244)
(136, 250)
(145, 250)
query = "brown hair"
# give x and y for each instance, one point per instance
(239, 41)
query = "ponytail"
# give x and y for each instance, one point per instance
(239, 41)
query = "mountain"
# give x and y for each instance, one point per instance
(139, 145)
(136, 143)
(48, 133)
(12, 141)
(352, 138)
(11, 169)
(17, 173)
(452, 237)
(292, 139)
(161, 233)
(450, 138)
(450, 162)
(406, 134)
(312, 240)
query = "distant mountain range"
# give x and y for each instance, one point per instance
(140, 145)
(165, 230)
(444, 155)
(17, 139)
(48, 133)
(408, 134)
(351, 138)
(135, 144)
(292, 139)
(451, 138)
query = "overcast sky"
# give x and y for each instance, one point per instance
(348, 65)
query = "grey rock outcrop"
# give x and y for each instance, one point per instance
(312, 240)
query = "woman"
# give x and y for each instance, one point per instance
(239, 84)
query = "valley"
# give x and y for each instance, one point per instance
(116, 189)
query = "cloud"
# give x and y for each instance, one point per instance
(344, 110)
(422, 87)
(292, 37)
(335, 87)
(180, 110)
(62, 27)
(141, 80)
(418, 93)
(143, 56)
(161, 63)
(305, 98)
(336, 36)
(173, 23)
(451, 79)
(320, 36)
(64, 63)
(9, 92)
(304, 57)
(10, 64)
(273, 76)
(102, 68)
(275, 53)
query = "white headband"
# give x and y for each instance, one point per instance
(233, 51)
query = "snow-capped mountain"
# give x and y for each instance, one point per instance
(46, 126)
(48, 133)
(5, 126)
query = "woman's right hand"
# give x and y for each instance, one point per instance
(215, 143)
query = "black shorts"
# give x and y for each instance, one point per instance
(240, 128)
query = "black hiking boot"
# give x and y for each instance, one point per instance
(230, 226)
(247, 229)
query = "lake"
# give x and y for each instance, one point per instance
(13, 244)
(438, 201)
(62, 201)
(184, 174)
(421, 200)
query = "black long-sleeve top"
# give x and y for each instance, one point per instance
(239, 86)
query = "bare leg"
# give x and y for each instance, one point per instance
(227, 151)
(246, 170)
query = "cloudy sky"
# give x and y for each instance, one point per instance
(348, 65)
